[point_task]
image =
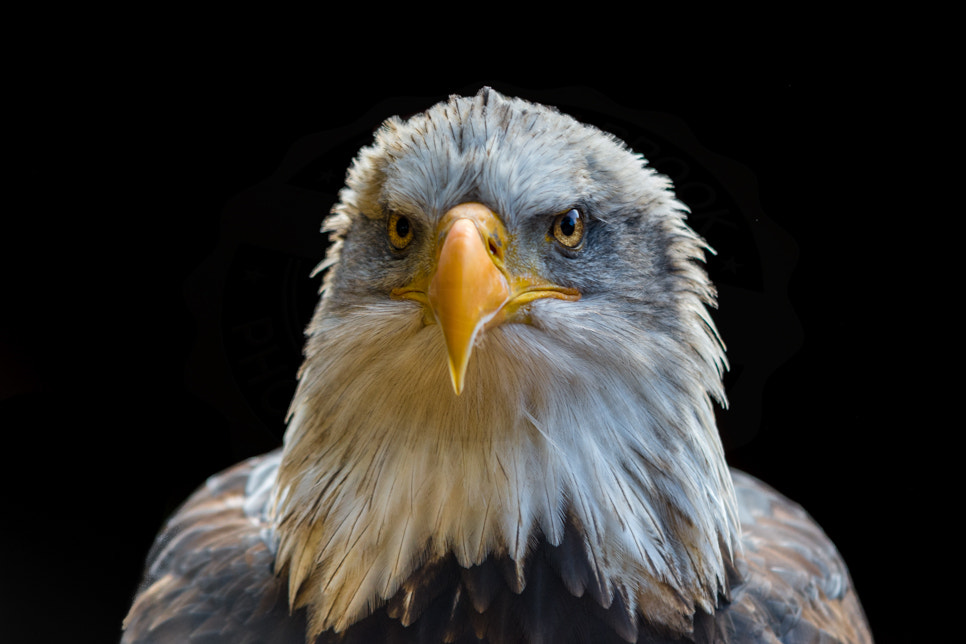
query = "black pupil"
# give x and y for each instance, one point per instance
(402, 227)
(568, 223)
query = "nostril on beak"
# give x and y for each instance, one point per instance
(494, 245)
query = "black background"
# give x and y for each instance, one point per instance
(157, 193)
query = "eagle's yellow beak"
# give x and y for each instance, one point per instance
(471, 288)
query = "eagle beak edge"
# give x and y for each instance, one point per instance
(468, 288)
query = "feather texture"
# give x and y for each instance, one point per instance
(209, 579)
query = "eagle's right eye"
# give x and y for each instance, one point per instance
(400, 231)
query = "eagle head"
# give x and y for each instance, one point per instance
(512, 347)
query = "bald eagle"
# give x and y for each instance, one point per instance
(504, 427)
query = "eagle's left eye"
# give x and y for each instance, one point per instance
(400, 231)
(568, 228)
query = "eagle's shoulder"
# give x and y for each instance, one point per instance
(795, 585)
(209, 575)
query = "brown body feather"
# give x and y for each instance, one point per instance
(210, 578)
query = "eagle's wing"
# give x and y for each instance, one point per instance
(796, 586)
(209, 575)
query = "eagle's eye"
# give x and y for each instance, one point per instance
(568, 228)
(400, 231)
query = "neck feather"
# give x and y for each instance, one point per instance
(385, 469)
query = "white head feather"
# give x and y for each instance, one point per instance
(598, 412)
